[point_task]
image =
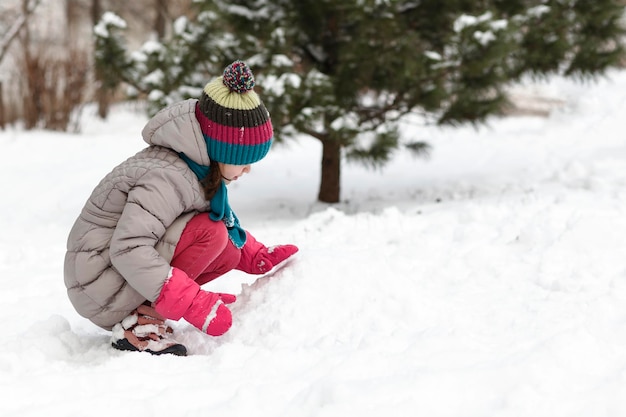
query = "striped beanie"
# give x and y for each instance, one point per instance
(235, 124)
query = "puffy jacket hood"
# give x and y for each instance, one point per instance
(177, 128)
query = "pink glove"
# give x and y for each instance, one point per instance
(226, 298)
(182, 297)
(258, 259)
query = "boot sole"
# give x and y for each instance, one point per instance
(177, 349)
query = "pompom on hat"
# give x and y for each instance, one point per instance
(235, 124)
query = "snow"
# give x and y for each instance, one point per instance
(156, 95)
(435, 56)
(108, 18)
(152, 47)
(538, 11)
(466, 20)
(488, 280)
(484, 38)
(180, 25)
(155, 77)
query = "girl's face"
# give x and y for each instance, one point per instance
(233, 172)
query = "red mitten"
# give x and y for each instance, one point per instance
(182, 297)
(209, 314)
(226, 298)
(258, 259)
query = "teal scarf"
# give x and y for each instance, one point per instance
(220, 209)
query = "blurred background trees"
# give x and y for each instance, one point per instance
(341, 71)
(47, 65)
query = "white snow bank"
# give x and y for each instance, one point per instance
(488, 280)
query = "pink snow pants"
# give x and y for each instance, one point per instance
(204, 250)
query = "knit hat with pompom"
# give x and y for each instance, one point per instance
(235, 123)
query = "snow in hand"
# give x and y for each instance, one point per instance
(488, 280)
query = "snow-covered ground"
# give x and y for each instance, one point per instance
(488, 280)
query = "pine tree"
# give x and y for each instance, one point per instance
(346, 71)
(166, 71)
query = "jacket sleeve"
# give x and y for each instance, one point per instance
(153, 203)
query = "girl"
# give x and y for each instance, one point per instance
(159, 225)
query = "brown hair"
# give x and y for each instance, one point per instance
(212, 181)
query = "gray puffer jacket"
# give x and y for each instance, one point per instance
(119, 249)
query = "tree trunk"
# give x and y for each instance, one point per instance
(103, 95)
(331, 172)
(32, 70)
(160, 8)
(73, 22)
(2, 114)
(95, 11)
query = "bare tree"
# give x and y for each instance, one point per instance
(28, 7)
(161, 18)
(2, 112)
(103, 95)
(53, 71)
